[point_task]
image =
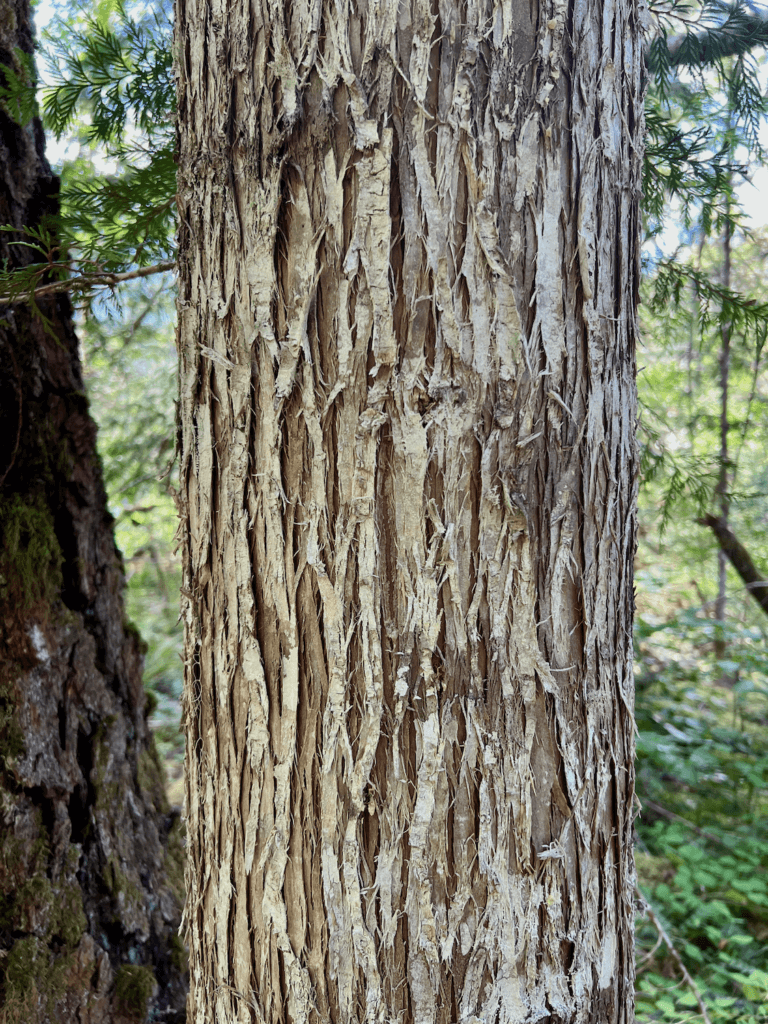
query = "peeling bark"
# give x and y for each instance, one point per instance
(89, 905)
(407, 322)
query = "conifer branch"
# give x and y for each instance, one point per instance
(740, 33)
(86, 282)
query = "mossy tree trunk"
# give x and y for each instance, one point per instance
(90, 868)
(407, 322)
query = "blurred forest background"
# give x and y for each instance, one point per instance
(701, 631)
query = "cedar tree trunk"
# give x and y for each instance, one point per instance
(90, 853)
(407, 324)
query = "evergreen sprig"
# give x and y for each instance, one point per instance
(110, 80)
(687, 480)
(727, 30)
(717, 304)
(120, 75)
(717, 45)
(125, 218)
(685, 164)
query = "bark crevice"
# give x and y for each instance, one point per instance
(439, 331)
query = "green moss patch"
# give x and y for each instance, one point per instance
(151, 777)
(101, 753)
(128, 897)
(69, 920)
(33, 981)
(23, 963)
(134, 987)
(31, 559)
(11, 737)
(21, 860)
(37, 907)
(32, 909)
(179, 954)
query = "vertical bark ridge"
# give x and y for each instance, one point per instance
(408, 251)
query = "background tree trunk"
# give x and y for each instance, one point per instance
(725, 471)
(755, 582)
(408, 286)
(90, 855)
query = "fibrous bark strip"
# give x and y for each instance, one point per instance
(407, 321)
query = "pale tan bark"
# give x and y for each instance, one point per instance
(408, 285)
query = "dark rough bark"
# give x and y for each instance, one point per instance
(90, 851)
(740, 559)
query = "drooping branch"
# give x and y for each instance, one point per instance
(649, 912)
(86, 282)
(739, 558)
(741, 32)
(658, 809)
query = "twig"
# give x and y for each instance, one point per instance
(649, 956)
(683, 821)
(87, 281)
(676, 957)
(739, 557)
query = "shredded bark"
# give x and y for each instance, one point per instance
(407, 320)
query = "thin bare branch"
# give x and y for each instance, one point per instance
(87, 282)
(740, 559)
(675, 956)
(683, 821)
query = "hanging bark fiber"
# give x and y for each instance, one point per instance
(407, 325)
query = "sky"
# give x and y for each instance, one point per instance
(754, 196)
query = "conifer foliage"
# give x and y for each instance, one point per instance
(111, 90)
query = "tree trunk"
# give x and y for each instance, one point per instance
(90, 855)
(724, 474)
(407, 323)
